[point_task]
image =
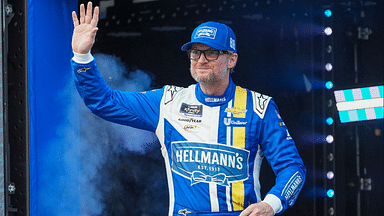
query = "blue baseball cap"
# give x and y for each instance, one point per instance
(216, 35)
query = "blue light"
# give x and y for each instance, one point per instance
(329, 85)
(329, 121)
(328, 13)
(330, 193)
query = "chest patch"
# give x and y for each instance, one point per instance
(216, 163)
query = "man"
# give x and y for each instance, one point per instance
(213, 135)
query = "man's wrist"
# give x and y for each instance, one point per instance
(274, 202)
(82, 58)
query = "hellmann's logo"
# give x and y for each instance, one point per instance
(206, 32)
(210, 163)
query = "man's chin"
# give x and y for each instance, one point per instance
(202, 79)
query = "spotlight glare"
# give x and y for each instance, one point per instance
(328, 67)
(329, 85)
(329, 121)
(330, 193)
(328, 31)
(329, 139)
(330, 175)
(328, 13)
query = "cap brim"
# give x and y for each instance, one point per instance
(188, 45)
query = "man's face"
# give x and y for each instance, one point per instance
(210, 72)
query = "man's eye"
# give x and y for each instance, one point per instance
(194, 52)
(211, 52)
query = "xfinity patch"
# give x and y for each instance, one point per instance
(206, 32)
(192, 110)
(210, 163)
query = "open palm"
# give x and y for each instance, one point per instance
(85, 29)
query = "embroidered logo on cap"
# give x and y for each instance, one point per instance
(232, 43)
(206, 32)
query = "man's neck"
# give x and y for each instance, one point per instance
(215, 88)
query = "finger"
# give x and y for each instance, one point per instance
(94, 31)
(74, 18)
(88, 15)
(245, 212)
(95, 18)
(82, 13)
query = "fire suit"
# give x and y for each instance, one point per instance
(212, 146)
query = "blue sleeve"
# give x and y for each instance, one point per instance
(135, 109)
(281, 153)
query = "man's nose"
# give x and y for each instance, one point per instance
(202, 58)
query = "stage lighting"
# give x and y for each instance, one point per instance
(359, 104)
(329, 121)
(328, 67)
(329, 139)
(329, 85)
(328, 13)
(331, 211)
(330, 193)
(328, 31)
(330, 175)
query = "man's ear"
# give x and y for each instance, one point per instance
(232, 60)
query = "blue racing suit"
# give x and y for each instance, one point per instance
(213, 146)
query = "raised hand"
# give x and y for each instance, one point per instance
(85, 30)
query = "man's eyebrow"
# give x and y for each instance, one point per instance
(195, 48)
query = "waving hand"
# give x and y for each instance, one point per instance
(85, 30)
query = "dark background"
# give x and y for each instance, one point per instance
(280, 45)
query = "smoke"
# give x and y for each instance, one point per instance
(119, 163)
(96, 167)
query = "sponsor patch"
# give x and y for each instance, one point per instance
(206, 32)
(191, 110)
(215, 99)
(190, 120)
(260, 103)
(288, 135)
(190, 128)
(235, 110)
(229, 122)
(292, 188)
(184, 212)
(210, 163)
(81, 70)
(170, 93)
(278, 115)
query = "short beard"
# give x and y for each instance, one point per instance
(212, 78)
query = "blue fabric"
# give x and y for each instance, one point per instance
(164, 111)
(49, 48)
